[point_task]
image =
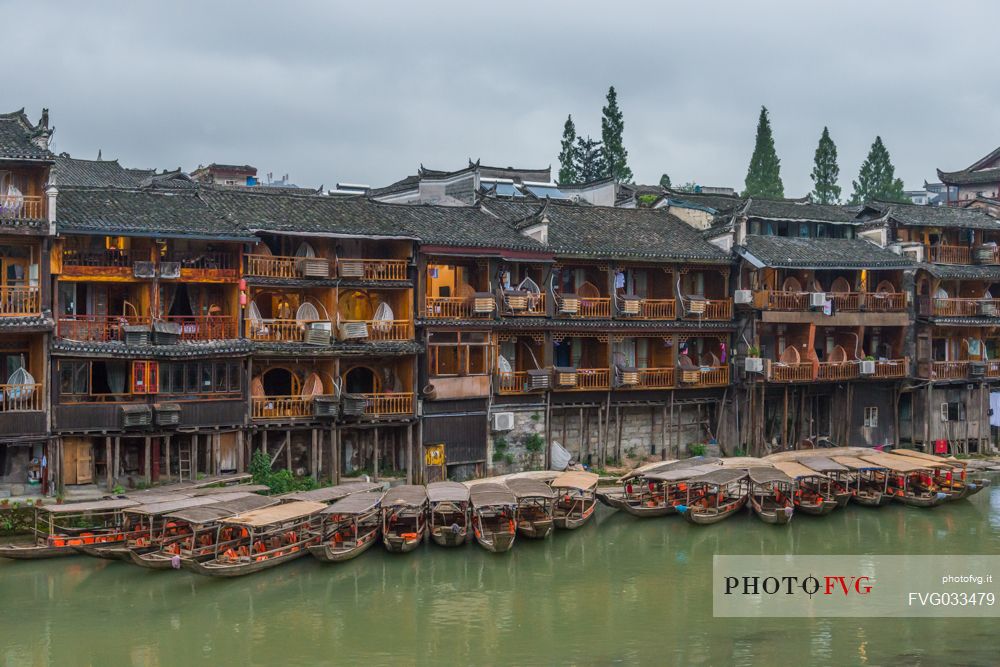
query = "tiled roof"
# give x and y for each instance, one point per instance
(788, 209)
(600, 231)
(800, 253)
(26, 323)
(931, 216)
(142, 212)
(16, 137)
(981, 177)
(94, 173)
(118, 349)
(374, 349)
(962, 272)
(717, 203)
(531, 323)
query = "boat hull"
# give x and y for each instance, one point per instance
(117, 552)
(446, 538)
(842, 499)
(922, 501)
(706, 519)
(643, 511)
(980, 484)
(398, 545)
(775, 516)
(496, 542)
(327, 554)
(872, 499)
(819, 509)
(536, 530)
(216, 569)
(35, 552)
(613, 499)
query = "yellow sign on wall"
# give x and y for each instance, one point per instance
(434, 455)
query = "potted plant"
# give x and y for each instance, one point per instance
(4, 502)
(753, 363)
(60, 498)
(868, 365)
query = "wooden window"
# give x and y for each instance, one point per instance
(74, 378)
(871, 417)
(145, 377)
(451, 354)
(953, 411)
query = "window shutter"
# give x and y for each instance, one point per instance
(138, 377)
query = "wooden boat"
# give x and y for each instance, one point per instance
(908, 480)
(576, 498)
(771, 493)
(348, 527)
(448, 513)
(493, 509)
(950, 473)
(404, 518)
(838, 474)
(813, 493)
(59, 529)
(330, 494)
(195, 532)
(658, 492)
(535, 500)
(867, 481)
(260, 539)
(715, 496)
(613, 497)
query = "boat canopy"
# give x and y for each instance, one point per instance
(486, 495)
(854, 463)
(720, 477)
(823, 464)
(576, 479)
(267, 516)
(217, 511)
(407, 495)
(328, 494)
(530, 488)
(897, 463)
(447, 492)
(646, 467)
(681, 474)
(796, 470)
(160, 509)
(744, 462)
(356, 503)
(951, 460)
(927, 463)
(224, 490)
(768, 475)
(92, 506)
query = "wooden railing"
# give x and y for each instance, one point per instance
(535, 305)
(891, 369)
(846, 301)
(513, 382)
(993, 369)
(281, 407)
(24, 207)
(949, 254)
(21, 397)
(838, 370)
(288, 331)
(380, 330)
(715, 310)
(657, 309)
(378, 269)
(959, 307)
(96, 327)
(273, 266)
(656, 378)
(19, 301)
(885, 302)
(950, 370)
(771, 300)
(595, 308)
(593, 378)
(387, 405)
(801, 372)
(449, 308)
(717, 376)
(205, 327)
(103, 259)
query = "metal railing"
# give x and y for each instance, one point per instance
(98, 328)
(20, 301)
(25, 207)
(21, 397)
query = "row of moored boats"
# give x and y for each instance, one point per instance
(230, 530)
(776, 487)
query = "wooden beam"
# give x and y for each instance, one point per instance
(409, 454)
(288, 450)
(166, 451)
(375, 453)
(108, 464)
(149, 460)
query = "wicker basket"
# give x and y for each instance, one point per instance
(136, 416)
(167, 414)
(565, 376)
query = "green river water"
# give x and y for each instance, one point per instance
(620, 590)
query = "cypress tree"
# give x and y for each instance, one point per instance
(764, 172)
(877, 179)
(567, 156)
(612, 126)
(665, 181)
(590, 164)
(825, 172)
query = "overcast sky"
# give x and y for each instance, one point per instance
(364, 92)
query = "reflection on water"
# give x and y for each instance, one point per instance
(619, 590)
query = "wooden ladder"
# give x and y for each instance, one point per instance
(184, 462)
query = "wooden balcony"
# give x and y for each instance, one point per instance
(884, 302)
(959, 307)
(281, 407)
(22, 397)
(514, 382)
(524, 304)
(894, 369)
(949, 254)
(655, 378)
(385, 330)
(801, 372)
(712, 376)
(206, 266)
(19, 301)
(382, 405)
(23, 208)
(373, 270)
(451, 308)
(950, 370)
(776, 300)
(278, 331)
(838, 371)
(715, 310)
(657, 309)
(108, 263)
(598, 308)
(589, 379)
(993, 369)
(281, 266)
(97, 328)
(205, 327)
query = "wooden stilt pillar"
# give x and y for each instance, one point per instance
(118, 456)
(375, 453)
(148, 473)
(166, 448)
(288, 450)
(618, 434)
(784, 423)
(409, 454)
(195, 441)
(663, 432)
(109, 464)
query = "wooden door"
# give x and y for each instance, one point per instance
(227, 452)
(78, 461)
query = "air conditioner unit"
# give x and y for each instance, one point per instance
(868, 367)
(753, 365)
(817, 299)
(743, 296)
(170, 270)
(503, 421)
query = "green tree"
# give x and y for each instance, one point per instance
(567, 156)
(590, 162)
(612, 126)
(764, 172)
(665, 181)
(877, 179)
(825, 172)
